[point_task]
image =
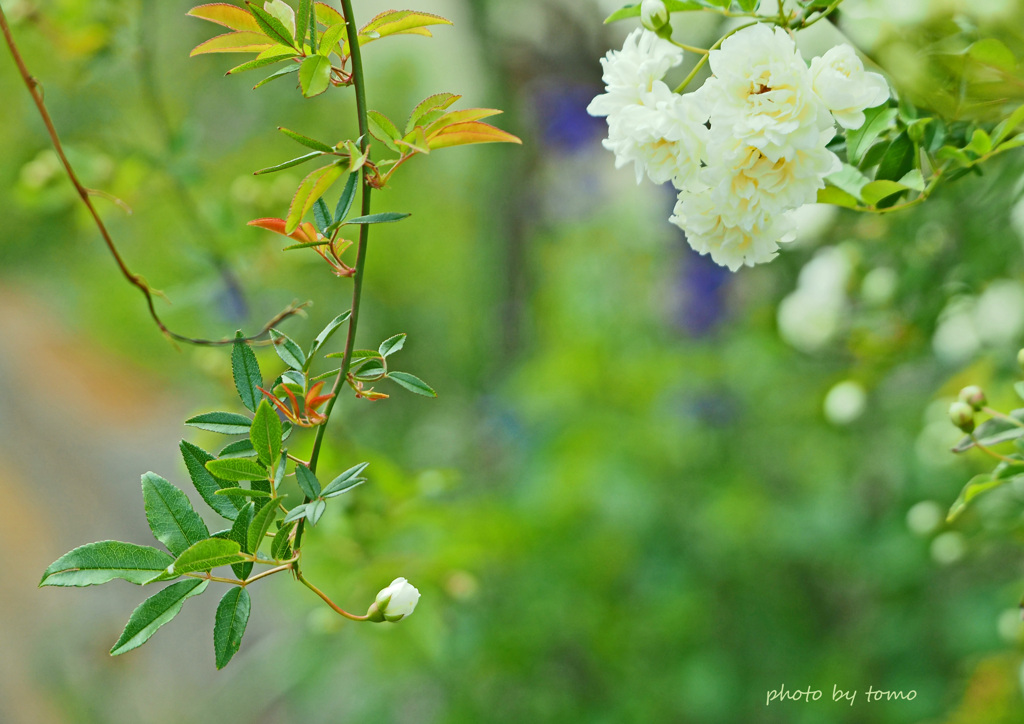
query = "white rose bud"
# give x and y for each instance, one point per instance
(394, 602)
(653, 14)
(840, 81)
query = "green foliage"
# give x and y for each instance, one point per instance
(154, 612)
(100, 562)
(229, 625)
(171, 517)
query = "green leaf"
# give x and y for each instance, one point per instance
(171, 517)
(327, 332)
(302, 17)
(1018, 387)
(226, 423)
(395, 22)
(975, 486)
(289, 352)
(271, 26)
(229, 624)
(96, 563)
(436, 102)
(386, 217)
(245, 493)
(203, 556)
(265, 434)
(993, 53)
(314, 510)
(875, 191)
(994, 431)
(327, 15)
(348, 195)
(1008, 125)
(246, 372)
(281, 546)
(307, 481)
(321, 216)
(278, 74)
(898, 160)
(980, 143)
(264, 486)
(348, 479)
(270, 56)
(849, 179)
(288, 164)
(205, 482)
(299, 511)
(837, 197)
(312, 188)
(230, 16)
(241, 42)
(239, 533)
(412, 383)
(315, 75)
(330, 39)
(383, 129)
(391, 345)
(877, 121)
(237, 449)
(154, 612)
(306, 141)
(260, 525)
(237, 469)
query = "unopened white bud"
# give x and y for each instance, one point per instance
(394, 602)
(653, 14)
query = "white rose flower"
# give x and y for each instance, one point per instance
(839, 79)
(632, 71)
(395, 602)
(732, 240)
(761, 93)
(664, 136)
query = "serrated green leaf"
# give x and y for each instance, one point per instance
(436, 102)
(383, 129)
(226, 423)
(289, 352)
(240, 42)
(980, 143)
(299, 511)
(229, 624)
(281, 546)
(875, 191)
(344, 481)
(307, 481)
(321, 216)
(387, 217)
(976, 486)
(261, 524)
(995, 431)
(312, 188)
(849, 179)
(877, 121)
(837, 197)
(96, 563)
(203, 556)
(303, 16)
(327, 332)
(348, 195)
(412, 383)
(271, 26)
(237, 449)
(1008, 125)
(278, 74)
(330, 39)
(391, 345)
(265, 434)
(289, 164)
(170, 515)
(154, 612)
(246, 372)
(898, 160)
(270, 56)
(230, 16)
(205, 482)
(237, 469)
(306, 140)
(314, 510)
(240, 535)
(244, 493)
(314, 75)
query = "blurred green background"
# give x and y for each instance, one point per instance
(650, 490)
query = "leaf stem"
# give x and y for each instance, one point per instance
(1002, 416)
(359, 86)
(704, 58)
(35, 90)
(989, 451)
(328, 601)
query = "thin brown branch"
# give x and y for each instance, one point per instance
(35, 90)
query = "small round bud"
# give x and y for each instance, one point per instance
(973, 396)
(962, 416)
(394, 602)
(653, 14)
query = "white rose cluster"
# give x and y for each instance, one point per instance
(745, 149)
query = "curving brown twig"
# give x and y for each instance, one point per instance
(35, 89)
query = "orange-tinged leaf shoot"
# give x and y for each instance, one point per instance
(463, 134)
(230, 16)
(239, 42)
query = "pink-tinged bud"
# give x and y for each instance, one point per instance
(973, 396)
(962, 415)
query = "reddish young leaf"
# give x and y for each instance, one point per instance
(305, 232)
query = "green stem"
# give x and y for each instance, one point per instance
(704, 58)
(364, 234)
(989, 451)
(824, 14)
(328, 601)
